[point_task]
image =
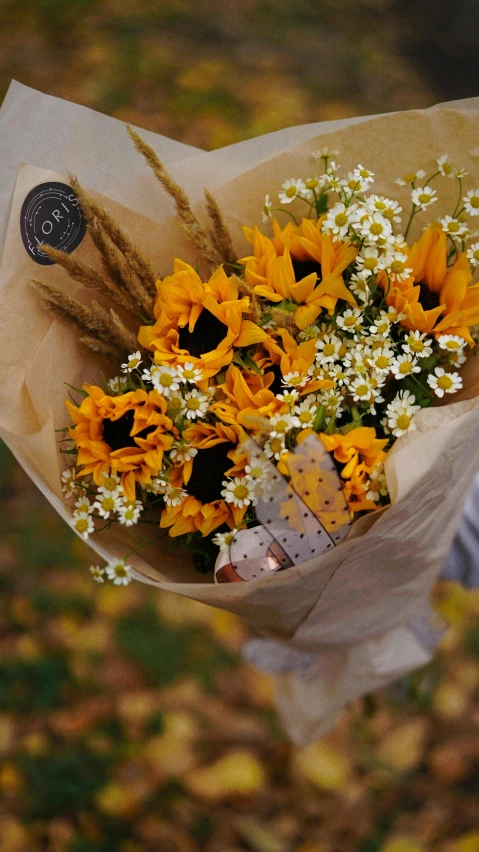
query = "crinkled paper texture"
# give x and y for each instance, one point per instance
(351, 610)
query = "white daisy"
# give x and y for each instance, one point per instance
(187, 372)
(351, 320)
(174, 496)
(417, 344)
(337, 220)
(82, 523)
(422, 197)
(69, 486)
(332, 399)
(377, 484)
(164, 378)
(404, 365)
(295, 379)
(118, 384)
(129, 511)
(134, 361)
(355, 183)
(239, 491)
(97, 573)
(453, 228)
(83, 505)
(443, 382)
(224, 540)
(328, 348)
(360, 389)
(258, 475)
(110, 485)
(159, 485)
(381, 325)
(473, 254)
(266, 212)
(275, 447)
(381, 358)
(324, 153)
(397, 268)
(451, 342)
(389, 208)
(369, 262)
(400, 413)
(375, 227)
(106, 505)
(289, 396)
(196, 404)
(281, 424)
(183, 453)
(305, 413)
(471, 202)
(290, 190)
(412, 177)
(445, 167)
(363, 174)
(359, 286)
(117, 571)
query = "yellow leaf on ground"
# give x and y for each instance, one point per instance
(402, 844)
(403, 747)
(468, 842)
(324, 766)
(239, 772)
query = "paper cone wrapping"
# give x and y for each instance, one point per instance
(352, 610)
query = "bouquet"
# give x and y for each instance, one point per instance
(277, 407)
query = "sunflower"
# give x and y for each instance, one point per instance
(302, 265)
(127, 434)
(199, 322)
(360, 451)
(436, 299)
(245, 395)
(217, 456)
(292, 363)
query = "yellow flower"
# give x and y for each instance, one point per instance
(360, 451)
(436, 299)
(202, 510)
(127, 434)
(295, 362)
(244, 395)
(199, 322)
(302, 265)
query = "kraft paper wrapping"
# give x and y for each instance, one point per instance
(353, 611)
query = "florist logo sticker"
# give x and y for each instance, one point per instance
(51, 215)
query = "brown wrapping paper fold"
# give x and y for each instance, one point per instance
(351, 608)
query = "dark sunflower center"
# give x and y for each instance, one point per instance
(209, 467)
(206, 335)
(116, 433)
(428, 299)
(276, 385)
(302, 268)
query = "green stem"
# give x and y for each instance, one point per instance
(456, 209)
(413, 213)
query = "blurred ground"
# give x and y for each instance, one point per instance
(127, 720)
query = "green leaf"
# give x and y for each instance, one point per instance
(322, 204)
(77, 390)
(319, 421)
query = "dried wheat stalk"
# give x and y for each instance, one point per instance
(92, 210)
(198, 236)
(219, 233)
(97, 325)
(120, 270)
(91, 278)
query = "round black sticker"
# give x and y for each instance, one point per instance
(51, 215)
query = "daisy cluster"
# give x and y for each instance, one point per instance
(336, 325)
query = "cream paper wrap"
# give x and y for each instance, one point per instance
(351, 609)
